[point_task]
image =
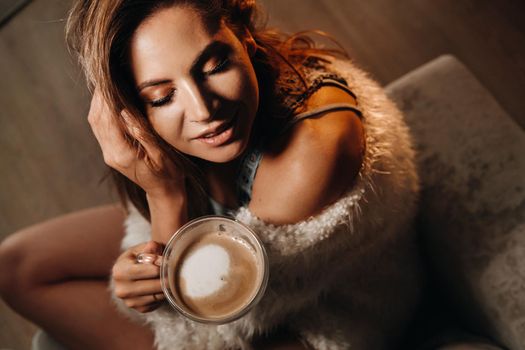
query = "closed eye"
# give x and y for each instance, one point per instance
(163, 100)
(219, 67)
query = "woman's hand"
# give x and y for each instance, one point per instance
(138, 284)
(166, 194)
(122, 156)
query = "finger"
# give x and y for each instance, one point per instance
(136, 131)
(95, 111)
(135, 272)
(159, 260)
(150, 253)
(95, 106)
(115, 148)
(147, 308)
(139, 262)
(153, 248)
(107, 129)
(146, 258)
(131, 289)
(113, 138)
(149, 247)
(145, 300)
(159, 297)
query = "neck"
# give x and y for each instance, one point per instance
(221, 181)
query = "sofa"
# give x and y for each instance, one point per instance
(471, 220)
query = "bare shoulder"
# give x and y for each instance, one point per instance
(312, 165)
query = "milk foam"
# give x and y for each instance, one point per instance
(205, 270)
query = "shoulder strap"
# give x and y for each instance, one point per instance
(247, 171)
(218, 208)
(250, 162)
(331, 81)
(321, 110)
(328, 108)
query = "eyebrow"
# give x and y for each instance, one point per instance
(205, 54)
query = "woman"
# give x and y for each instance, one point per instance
(197, 110)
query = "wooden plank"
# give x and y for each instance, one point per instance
(9, 8)
(46, 146)
(50, 162)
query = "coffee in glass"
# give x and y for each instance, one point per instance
(214, 269)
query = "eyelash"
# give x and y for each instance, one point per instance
(164, 100)
(221, 66)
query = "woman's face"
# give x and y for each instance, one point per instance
(199, 88)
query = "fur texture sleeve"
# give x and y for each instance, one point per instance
(356, 259)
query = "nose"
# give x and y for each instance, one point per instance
(198, 104)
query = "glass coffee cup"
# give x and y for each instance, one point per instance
(214, 270)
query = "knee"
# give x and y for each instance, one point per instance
(15, 266)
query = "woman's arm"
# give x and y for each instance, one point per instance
(165, 192)
(136, 284)
(168, 213)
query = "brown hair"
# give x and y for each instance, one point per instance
(98, 31)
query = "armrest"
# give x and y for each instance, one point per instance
(472, 210)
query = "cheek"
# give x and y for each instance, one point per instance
(229, 86)
(167, 124)
(238, 85)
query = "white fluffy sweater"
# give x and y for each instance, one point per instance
(346, 278)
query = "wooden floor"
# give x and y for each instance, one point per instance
(50, 163)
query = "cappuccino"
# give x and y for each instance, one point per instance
(217, 275)
(214, 275)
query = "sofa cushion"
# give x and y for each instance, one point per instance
(472, 165)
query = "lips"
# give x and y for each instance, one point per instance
(218, 135)
(216, 131)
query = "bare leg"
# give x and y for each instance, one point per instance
(55, 274)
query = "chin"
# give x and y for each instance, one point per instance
(226, 154)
